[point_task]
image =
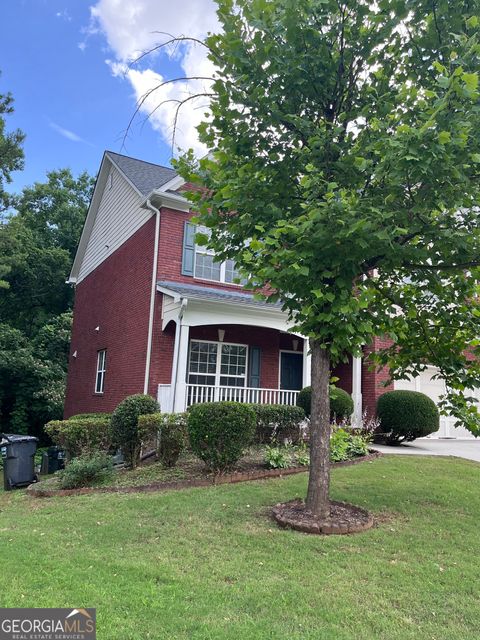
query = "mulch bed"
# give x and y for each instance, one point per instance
(242, 475)
(344, 518)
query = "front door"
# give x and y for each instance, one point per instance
(291, 370)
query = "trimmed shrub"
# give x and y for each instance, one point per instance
(406, 415)
(88, 416)
(220, 432)
(125, 425)
(82, 436)
(86, 470)
(277, 422)
(304, 400)
(341, 403)
(170, 432)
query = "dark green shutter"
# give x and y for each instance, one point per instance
(254, 367)
(188, 253)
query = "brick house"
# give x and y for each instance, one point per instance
(155, 314)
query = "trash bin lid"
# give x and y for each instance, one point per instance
(13, 437)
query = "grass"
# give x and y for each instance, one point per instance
(207, 564)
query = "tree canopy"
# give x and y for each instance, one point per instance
(38, 241)
(344, 175)
(344, 139)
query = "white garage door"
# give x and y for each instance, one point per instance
(434, 389)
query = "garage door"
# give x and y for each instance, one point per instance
(434, 389)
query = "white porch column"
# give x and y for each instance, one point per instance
(180, 386)
(307, 363)
(357, 391)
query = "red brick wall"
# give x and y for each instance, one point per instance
(116, 298)
(343, 371)
(372, 381)
(171, 249)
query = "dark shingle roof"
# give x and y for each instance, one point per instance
(215, 295)
(146, 176)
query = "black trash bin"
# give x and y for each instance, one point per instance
(18, 453)
(53, 459)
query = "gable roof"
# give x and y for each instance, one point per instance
(144, 176)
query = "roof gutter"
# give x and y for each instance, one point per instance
(153, 290)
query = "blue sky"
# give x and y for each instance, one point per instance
(63, 60)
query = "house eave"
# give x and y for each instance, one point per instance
(162, 199)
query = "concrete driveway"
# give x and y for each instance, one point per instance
(468, 449)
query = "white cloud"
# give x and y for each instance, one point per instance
(132, 28)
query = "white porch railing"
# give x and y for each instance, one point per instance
(199, 393)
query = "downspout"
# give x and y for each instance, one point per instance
(152, 294)
(183, 306)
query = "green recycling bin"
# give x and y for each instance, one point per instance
(18, 454)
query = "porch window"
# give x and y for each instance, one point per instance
(217, 364)
(101, 370)
(206, 267)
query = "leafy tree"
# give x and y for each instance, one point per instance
(33, 375)
(11, 159)
(39, 244)
(38, 241)
(11, 152)
(345, 148)
(55, 210)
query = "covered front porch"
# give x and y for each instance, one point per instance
(229, 346)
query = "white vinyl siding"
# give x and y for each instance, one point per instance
(119, 216)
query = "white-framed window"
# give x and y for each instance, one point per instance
(217, 363)
(207, 269)
(101, 370)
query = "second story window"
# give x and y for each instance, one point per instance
(207, 269)
(101, 370)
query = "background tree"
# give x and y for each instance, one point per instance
(11, 159)
(345, 148)
(11, 151)
(38, 242)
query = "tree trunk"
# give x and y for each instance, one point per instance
(319, 479)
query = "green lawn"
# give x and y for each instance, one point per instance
(208, 563)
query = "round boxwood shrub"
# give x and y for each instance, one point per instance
(220, 432)
(304, 400)
(406, 415)
(341, 403)
(125, 432)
